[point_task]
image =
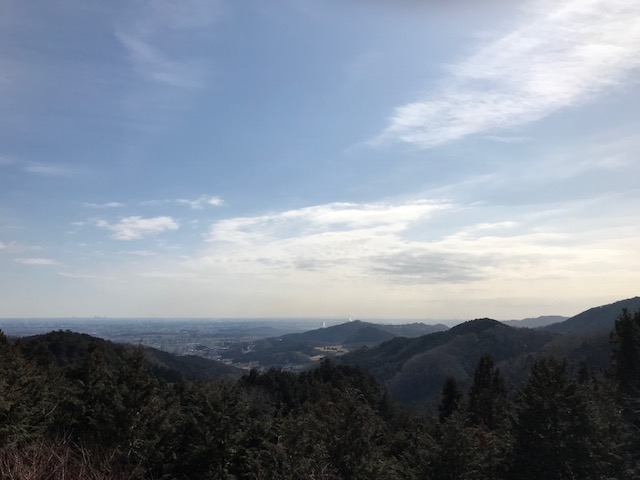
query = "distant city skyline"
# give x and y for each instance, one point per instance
(338, 159)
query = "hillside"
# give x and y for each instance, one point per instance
(535, 322)
(597, 319)
(67, 416)
(69, 348)
(302, 348)
(414, 370)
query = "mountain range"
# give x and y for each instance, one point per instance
(413, 370)
(411, 361)
(596, 319)
(536, 322)
(299, 349)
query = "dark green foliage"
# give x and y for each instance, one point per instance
(597, 319)
(103, 412)
(27, 404)
(413, 370)
(557, 434)
(465, 451)
(451, 398)
(95, 399)
(487, 395)
(625, 370)
(172, 368)
(625, 340)
(473, 438)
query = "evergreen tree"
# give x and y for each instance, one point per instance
(487, 395)
(625, 357)
(27, 403)
(625, 372)
(451, 398)
(92, 412)
(457, 456)
(556, 434)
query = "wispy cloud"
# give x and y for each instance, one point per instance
(152, 27)
(563, 55)
(141, 253)
(39, 168)
(196, 204)
(38, 261)
(85, 276)
(399, 244)
(135, 227)
(169, 275)
(5, 246)
(104, 205)
(47, 170)
(202, 202)
(328, 219)
(342, 238)
(153, 64)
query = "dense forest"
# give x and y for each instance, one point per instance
(77, 408)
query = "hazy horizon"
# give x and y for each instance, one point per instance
(337, 159)
(330, 321)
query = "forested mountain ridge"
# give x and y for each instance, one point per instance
(535, 322)
(302, 348)
(414, 369)
(68, 348)
(596, 319)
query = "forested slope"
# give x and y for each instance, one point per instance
(414, 369)
(94, 416)
(596, 319)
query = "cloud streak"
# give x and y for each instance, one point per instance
(152, 64)
(135, 227)
(202, 202)
(344, 239)
(394, 245)
(564, 55)
(5, 246)
(324, 220)
(38, 261)
(145, 40)
(104, 205)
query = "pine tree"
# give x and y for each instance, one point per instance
(625, 357)
(93, 406)
(457, 454)
(487, 395)
(556, 433)
(26, 400)
(451, 398)
(625, 372)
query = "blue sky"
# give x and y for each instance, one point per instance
(319, 159)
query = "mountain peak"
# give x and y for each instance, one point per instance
(476, 326)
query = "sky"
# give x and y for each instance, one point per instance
(334, 159)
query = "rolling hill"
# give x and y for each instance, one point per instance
(413, 370)
(536, 322)
(70, 348)
(597, 319)
(301, 348)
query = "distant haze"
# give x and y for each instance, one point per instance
(329, 159)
